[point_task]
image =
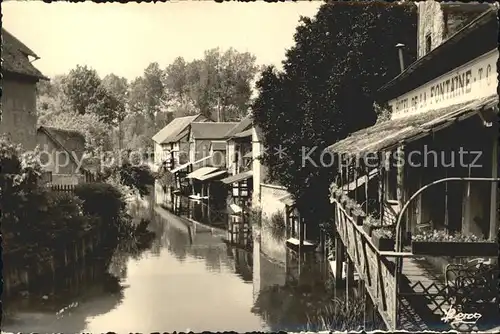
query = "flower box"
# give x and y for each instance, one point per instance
(381, 241)
(455, 248)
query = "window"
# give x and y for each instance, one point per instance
(428, 43)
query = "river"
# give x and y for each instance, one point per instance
(187, 280)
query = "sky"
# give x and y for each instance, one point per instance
(125, 38)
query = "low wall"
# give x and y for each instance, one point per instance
(269, 245)
(270, 195)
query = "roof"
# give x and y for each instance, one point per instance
(287, 200)
(201, 172)
(218, 145)
(211, 176)
(70, 141)
(474, 39)
(243, 134)
(174, 130)
(392, 132)
(187, 164)
(238, 177)
(243, 125)
(211, 130)
(15, 57)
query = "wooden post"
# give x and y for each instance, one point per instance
(349, 280)
(367, 180)
(339, 251)
(494, 221)
(356, 182)
(381, 184)
(301, 236)
(401, 182)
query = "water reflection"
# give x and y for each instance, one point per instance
(187, 279)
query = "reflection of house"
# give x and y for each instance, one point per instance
(18, 117)
(62, 153)
(171, 142)
(444, 124)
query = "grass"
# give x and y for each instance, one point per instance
(337, 316)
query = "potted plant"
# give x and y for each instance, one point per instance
(383, 239)
(358, 214)
(443, 243)
(371, 223)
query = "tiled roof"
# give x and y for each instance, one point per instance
(243, 125)
(389, 133)
(174, 130)
(15, 57)
(211, 130)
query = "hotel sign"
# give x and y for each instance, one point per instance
(476, 79)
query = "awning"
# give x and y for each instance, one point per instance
(218, 145)
(243, 134)
(390, 133)
(213, 175)
(238, 177)
(287, 200)
(201, 172)
(361, 180)
(187, 164)
(248, 155)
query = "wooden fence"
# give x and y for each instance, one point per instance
(67, 188)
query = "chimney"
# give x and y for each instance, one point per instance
(401, 60)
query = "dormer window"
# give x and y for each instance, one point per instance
(428, 43)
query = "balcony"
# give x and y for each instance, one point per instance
(408, 289)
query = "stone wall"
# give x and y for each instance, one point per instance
(430, 23)
(19, 112)
(441, 20)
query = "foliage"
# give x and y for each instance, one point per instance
(80, 87)
(255, 217)
(445, 236)
(137, 177)
(383, 112)
(338, 316)
(275, 224)
(384, 233)
(219, 81)
(101, 200)
(97, 133)
(339, 60)
(116, 86)
(372, 221)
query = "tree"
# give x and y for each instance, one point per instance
(327, 90)
(116, 86)
(220, 83)
(80, 86)
(176, 80)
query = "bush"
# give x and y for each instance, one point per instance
(137, 177)
(101, 200)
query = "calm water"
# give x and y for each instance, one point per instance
(187, 280)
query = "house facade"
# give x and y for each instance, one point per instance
(19, 116)
(171, 144)
(201, 136)
(436, 162)
(62, 155)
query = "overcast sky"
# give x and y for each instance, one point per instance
(124, 38)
